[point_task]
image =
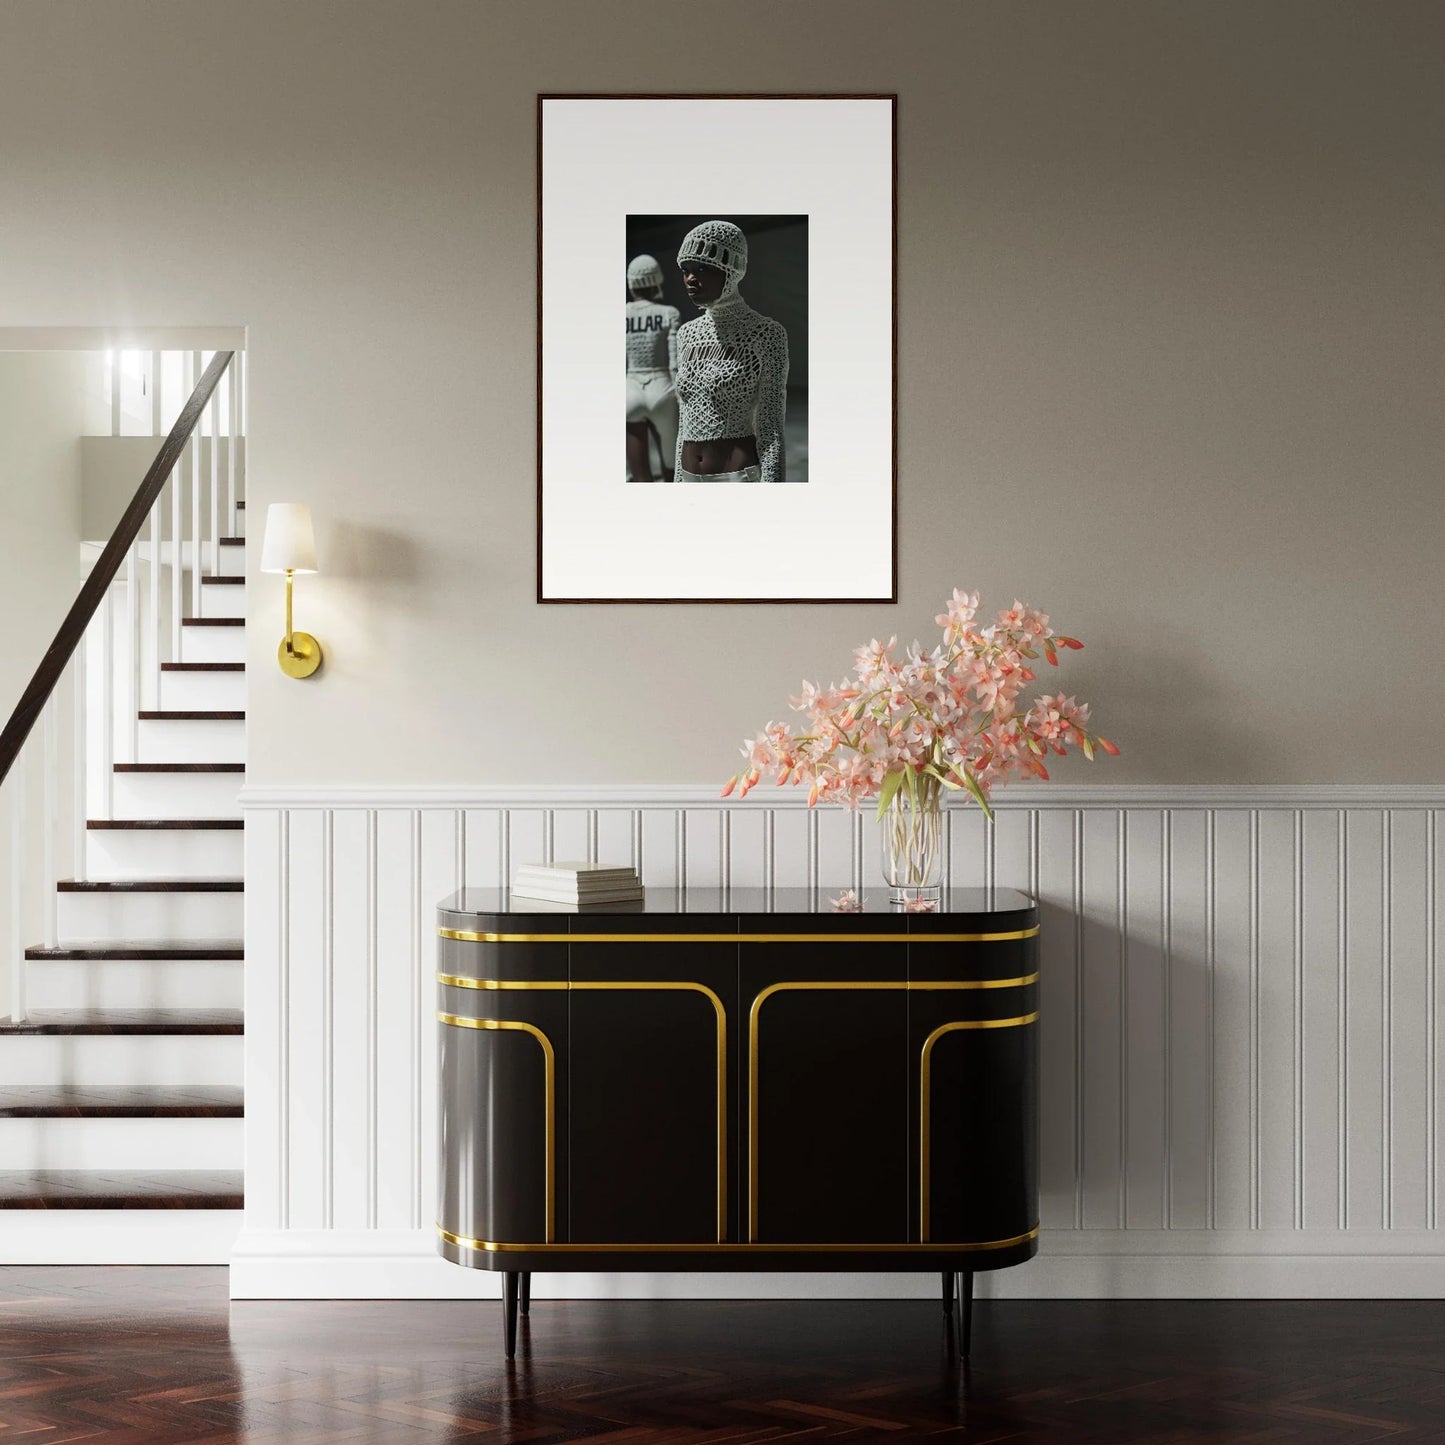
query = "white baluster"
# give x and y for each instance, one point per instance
(194, 447)
(177, 480)
(157, 413)
(243, 427)
(50, 785)
(213, 409)
(132, 645)
(107, 704)
(81, 755)
(117, 360)
(17, 889)
(153, 661)
(233, 430)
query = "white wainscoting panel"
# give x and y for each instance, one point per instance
(1240, 1024)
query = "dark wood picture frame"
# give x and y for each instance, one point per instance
(890, 97)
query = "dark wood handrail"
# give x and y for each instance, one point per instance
(67, 639)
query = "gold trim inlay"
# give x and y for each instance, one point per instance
(488, 1246)
(453, 980)
(925, 1104)
(462, 935)
(549, 1066)
(460, 980)
(891, 984)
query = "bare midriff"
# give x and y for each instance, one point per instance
(726, 454)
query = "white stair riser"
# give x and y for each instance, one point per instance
(127, 983)
(122, 1059)
(213, 644)
(118, 917)
(164, 853)
(177, 795)
(190, 740)
(70, 1143)
(233, 561)
(203, 691)
(222, 602)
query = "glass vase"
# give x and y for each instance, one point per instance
(913, 851)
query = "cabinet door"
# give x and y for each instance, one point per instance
(503, 1158)
(826, 1074)
(653, 1100)
(973, 1058)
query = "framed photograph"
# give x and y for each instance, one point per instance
(717, 348)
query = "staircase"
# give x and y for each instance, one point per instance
(121, 1065)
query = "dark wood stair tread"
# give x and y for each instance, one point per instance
(203, 667)
(189, 715)
(121, 1189)
(180, 767)
(232, 541)
(197, 825)
(128, 1021)
(121, 1101)
(213, 621)
(139, 950)
(223, 581)
(150, 885)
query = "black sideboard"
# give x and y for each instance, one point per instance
(738, 1081)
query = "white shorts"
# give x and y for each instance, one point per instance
(651, 398)
(748, 474)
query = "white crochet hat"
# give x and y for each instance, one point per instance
(644, 274)
(718, 244)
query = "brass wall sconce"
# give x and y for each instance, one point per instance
(290, 547)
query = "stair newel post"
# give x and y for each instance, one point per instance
(193, 449)
(80, 753)
(50, 799)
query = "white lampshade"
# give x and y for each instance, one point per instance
(290, 545)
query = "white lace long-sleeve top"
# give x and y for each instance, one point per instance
(650, 325)
(731, 367)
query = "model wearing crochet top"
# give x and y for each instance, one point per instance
(651, 399)
(730, 368)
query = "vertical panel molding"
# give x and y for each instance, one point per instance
(1206, 950)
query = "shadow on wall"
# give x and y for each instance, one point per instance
(1128, 1074)
(373, 580)
(1216, 729)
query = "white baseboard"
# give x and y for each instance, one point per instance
(118, 1236)
(1142, 1264)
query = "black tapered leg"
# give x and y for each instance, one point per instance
(966, 1307)
(948, 1292)
(509, 1312)
(526, 1301)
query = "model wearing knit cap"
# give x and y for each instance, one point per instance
(731, 368)
(651, 399)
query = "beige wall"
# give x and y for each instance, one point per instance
(1170, 354)
(42, 399)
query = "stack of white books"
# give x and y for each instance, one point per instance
(579, 884)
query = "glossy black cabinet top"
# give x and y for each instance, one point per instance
(989, 907)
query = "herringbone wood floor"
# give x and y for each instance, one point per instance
(158, 1355)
